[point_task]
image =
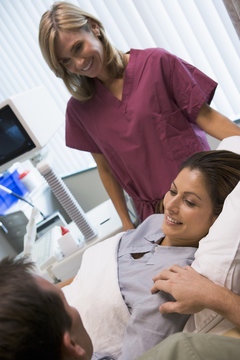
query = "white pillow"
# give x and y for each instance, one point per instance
(218, 255)
(218, 251)
(231, 143)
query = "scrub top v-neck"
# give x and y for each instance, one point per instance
(128, 81)
(147, 134)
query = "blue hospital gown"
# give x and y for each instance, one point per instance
(147, 327)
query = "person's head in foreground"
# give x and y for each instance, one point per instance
(196, 196)
(35, 320)
(75, 46)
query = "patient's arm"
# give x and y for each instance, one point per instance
(193, 292)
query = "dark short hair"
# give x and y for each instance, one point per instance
(221, 170)
(32, 319)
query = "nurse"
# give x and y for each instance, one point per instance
(139, 113)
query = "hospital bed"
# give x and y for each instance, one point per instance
(106, 315)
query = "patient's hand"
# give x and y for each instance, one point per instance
(187, 286)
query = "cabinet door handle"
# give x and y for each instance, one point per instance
(3, 227)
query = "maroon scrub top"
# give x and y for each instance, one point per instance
(146, 135)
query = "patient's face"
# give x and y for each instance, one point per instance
(77, 332)
(188, 210)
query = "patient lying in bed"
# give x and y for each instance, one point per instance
(112, 288)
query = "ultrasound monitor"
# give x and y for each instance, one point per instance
(14, 140)
(27, 122)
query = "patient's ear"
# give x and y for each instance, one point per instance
(214, 217)
(70, 349)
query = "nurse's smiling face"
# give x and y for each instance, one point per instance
(188, 210)
(81, 52)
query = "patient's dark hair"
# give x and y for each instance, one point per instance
(221, 170)
(32, 320)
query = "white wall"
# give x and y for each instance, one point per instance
(87, 188)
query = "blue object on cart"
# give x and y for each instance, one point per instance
(12, 182)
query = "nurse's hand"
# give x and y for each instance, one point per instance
(114, 190)
(128, 225)
(187, 286)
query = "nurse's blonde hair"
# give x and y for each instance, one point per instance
(64, 16)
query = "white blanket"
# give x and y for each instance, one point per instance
(95, 293)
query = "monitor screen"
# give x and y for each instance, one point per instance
(14, 140)
(28, 121)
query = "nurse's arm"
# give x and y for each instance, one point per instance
(194, 292)
(216, 124)
(113, 189)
